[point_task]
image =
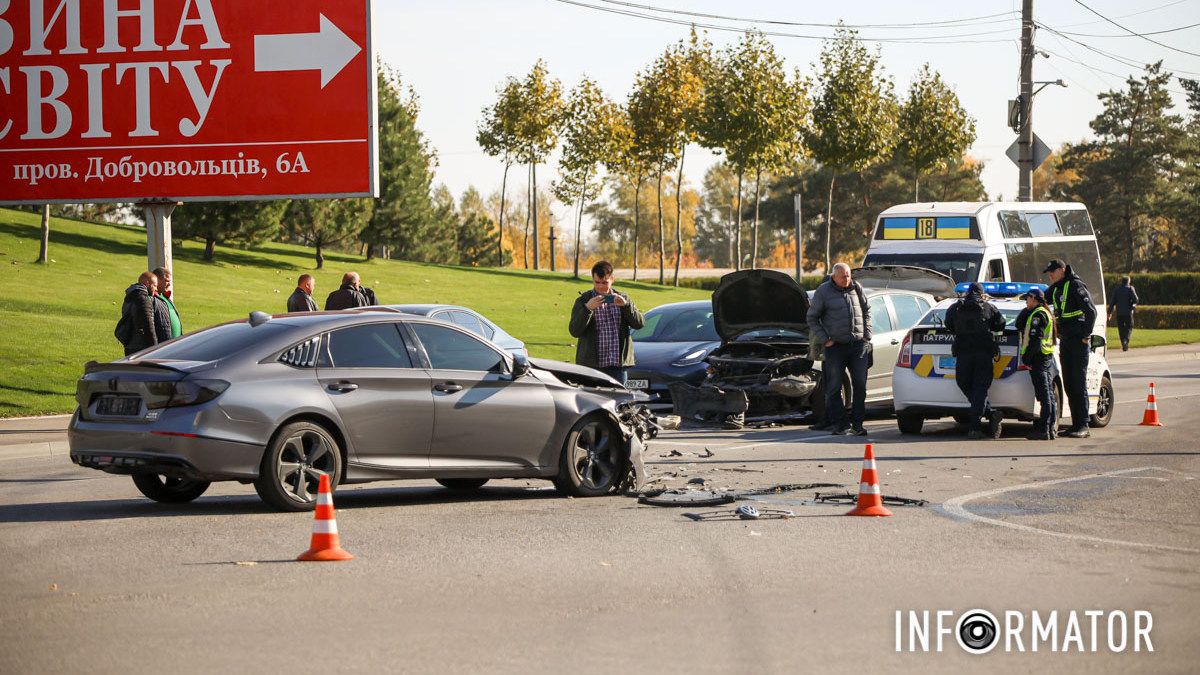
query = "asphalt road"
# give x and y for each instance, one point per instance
(94, 578)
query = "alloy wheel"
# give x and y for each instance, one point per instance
(595, 456)
(304, 458)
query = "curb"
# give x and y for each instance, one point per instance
(34, 450)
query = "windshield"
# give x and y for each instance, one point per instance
(678, 324)
(958, 266)
(213, 343)
(769, 333)
(937, 317)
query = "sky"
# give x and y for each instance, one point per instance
(454, 54)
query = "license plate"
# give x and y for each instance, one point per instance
(638, 384)
(126, 406)
(946, 362)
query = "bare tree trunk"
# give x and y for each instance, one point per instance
(579, 222)
(662, 248)
(829, 225)
(528, 215)
(537, 262)
(737, 261)
(637, 223)
(320, 257)
(44, 250)
(754, 238)
(210, 246)
(500, 231)
(917, 188)
(679, 216)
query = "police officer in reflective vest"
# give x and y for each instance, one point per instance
(1036, 324)
(973, 320)
(1076, 317)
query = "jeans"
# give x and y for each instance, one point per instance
(840, 358)
(1039, 374)
(1073, 354)
(615, 372)
(973, 375)
(1125, 328)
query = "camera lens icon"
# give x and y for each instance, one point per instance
(976, 631)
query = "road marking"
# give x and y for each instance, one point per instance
(1158, 398)
(957, 507)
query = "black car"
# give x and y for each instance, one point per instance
(672, 347)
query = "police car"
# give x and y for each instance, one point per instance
(923, 378)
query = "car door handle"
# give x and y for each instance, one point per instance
(895, 341)
(447, 387)
(342, 386)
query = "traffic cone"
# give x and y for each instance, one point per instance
(870, 499)
(325, 545)
(1150, 417)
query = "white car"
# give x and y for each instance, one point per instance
(923, 378)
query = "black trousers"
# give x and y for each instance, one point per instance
(1125, 328)
(838, 360)
(973, 375)
(1043, 391)
(1073, 355)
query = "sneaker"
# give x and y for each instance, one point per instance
(855, 431)
(974, 434)
(996, 424)
(821, 426)
(1037, 436)
(1078, 433)
(839, 431)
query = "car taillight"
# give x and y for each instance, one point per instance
(905, 358)
(186, 392)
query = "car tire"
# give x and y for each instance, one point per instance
(293, 463)
(169, 490)
(817, 399)
(1104, 405)
(462, 484)
(593, 461)
(909, 423)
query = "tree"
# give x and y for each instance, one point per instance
(653, 118)
(499, 136)
(630, 164)
(541, 106)
(246, 222)
(934, 128)
(44, 249)
(322, 223)
(472, 242)
(854, 114)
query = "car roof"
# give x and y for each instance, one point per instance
(686, 304)
(425, 308)
(1000, 303)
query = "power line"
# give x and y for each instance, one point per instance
(1123, 60)
(1131, 32)
(917, 24)
(1113, 35)
(1126, 16)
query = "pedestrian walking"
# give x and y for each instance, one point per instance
(1036, 323)
(602, 320)
(348, 295)
(839, 318)
(1124, 301)
(164, 294)
(301, 299)
(135, 331)
(1075, 318)
(973, 320)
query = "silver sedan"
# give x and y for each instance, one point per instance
(360, 396)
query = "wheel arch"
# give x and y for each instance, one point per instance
(324, 422)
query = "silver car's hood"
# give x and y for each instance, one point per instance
(582, 375)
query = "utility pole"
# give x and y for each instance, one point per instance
(1025, 137)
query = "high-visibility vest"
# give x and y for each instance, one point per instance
(1060, 304)
(1047, 342)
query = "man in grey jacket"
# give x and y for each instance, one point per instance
(840, 319)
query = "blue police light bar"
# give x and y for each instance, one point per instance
(1001, 288)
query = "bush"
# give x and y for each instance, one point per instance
(1161, 288)
(1166, 316)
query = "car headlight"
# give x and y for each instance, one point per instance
(692, 358)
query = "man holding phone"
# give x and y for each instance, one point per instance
(602, 320)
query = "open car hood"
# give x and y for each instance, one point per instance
(576, 374)
(905, 277)
(755, 299)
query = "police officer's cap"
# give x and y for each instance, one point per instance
(1055, 264)
(1035, 293)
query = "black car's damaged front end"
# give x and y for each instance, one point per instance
(763, 366)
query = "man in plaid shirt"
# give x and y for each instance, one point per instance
(602, 320)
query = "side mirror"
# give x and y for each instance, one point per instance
(520, 366)
(1098, 341)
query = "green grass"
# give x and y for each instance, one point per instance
(56, 317)
(1155, 337)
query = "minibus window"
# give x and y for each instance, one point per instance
(995, 270)
(1075, 222)
(1013, 224)
(1043, 224)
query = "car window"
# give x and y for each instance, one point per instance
(449, 349)
(375, 345)
(468, 321)
(690, 324)
(1043, 224)
(213, 343)
(909, 309)
(646, 332)
(881, 321)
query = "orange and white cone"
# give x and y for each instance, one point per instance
(326, 545)
(1150, 417)
(870, 498)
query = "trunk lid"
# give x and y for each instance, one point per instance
(905, 277)
(758, 299)
(126, 390)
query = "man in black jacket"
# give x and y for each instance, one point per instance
(1124, 301)
(1076, 318)
(137, 315)
(301, 299)
(347, 296)
(973, 320)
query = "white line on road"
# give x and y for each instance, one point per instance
(957, 507)
(1158, 398)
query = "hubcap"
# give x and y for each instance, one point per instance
(304, 459)
(595, 456)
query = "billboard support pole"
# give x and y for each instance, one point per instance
(158, 233)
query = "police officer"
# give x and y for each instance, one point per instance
(973, 320)
(1076, 317)
(1036, 324)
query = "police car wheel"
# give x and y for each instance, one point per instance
(910, 424)
(1104, 405)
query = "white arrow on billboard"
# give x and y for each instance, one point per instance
(1040, 152)
(328, 51)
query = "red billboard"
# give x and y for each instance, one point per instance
(124, 100)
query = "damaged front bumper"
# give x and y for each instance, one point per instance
(713, 400)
